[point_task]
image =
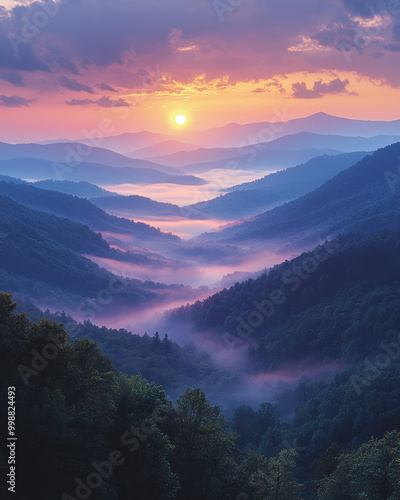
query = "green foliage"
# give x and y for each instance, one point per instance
(251, 425)
(271, 479)
(341, 311)
(161, 361)
(205, 450)
(373, 471)
(73, 410)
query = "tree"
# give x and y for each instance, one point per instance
(280, 480)
(73, 410)
(271, 479)
(373, 471)
(141, 420)
(205, 451)
(166, 344)
(156, 343)
(244, 423)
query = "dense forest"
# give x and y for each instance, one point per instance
(78, 210)
(43, 256)
(337, 302)
(156, 357)
(96, 433)
(113, 415)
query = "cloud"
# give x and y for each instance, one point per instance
(258, 40)
(14, 101)
(337, 86)
(179, 42)
(72, 84)
(17, 53)
(129, 34)
(259, 90)
(165, 86)
(366, 8)
(106, 102)
(103, 102)
(276, 83)
(307, 44)
(104, 86)
(15, 78)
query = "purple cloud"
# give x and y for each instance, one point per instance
(14, 101)
(72, 84)
(365, 8)
(104, 86)
(15, 78)
(122, 29)
(252, 43)
(337, 86)
(103, 102)
(26, 59)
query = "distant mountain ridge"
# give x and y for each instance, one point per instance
(79, 210)
(279, 151)
(122, 143)
(82, 189)
(75, 154)
(42, 256)
(234, 134)
(256, 197)
(357, 199)
(140, 205)
(161, 149)
(40, 169)
(311, 172)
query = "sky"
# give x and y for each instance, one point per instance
(70, 67)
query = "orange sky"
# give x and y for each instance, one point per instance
(336, 56)
(205, 109)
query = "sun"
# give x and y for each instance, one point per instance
(180, 119)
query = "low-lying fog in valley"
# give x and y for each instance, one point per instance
(206, 276)
(181, 227)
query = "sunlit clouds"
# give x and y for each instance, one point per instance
(156, 59)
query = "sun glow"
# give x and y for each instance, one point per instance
(180, 119)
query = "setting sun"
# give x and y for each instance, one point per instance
(180, 119)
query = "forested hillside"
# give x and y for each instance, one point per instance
(96, 432)
(41, 256)
(253, 198)
(79, 210)
(357, 199)
(337, 302)
(81, 189)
